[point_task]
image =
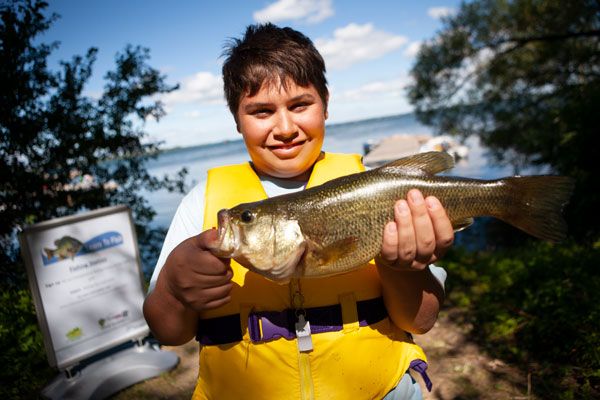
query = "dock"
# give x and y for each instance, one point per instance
(405, 144)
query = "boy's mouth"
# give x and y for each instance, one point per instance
(286, 146)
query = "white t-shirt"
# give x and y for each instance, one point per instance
(189, 220)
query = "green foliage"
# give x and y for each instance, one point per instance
(50, 131)
(522, 75)
(537, 306)
(22, 355)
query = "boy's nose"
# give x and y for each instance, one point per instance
(285, 127)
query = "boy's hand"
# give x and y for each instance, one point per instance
(195, 276)
(419, 236)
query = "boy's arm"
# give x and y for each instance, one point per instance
(191, 280)
(420, 235)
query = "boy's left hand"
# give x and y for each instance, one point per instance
(420, 234)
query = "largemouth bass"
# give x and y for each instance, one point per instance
(335, 227)
(66, 247)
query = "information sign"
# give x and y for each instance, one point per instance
(87, 283)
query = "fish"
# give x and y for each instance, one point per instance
(338, 226)
(66, 246)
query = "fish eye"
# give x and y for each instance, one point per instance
(246, 216)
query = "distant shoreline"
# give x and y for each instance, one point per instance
(233, 141)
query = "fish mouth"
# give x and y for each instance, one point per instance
(228, 236)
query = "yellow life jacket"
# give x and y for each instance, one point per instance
(359, 362)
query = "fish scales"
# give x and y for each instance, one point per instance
(360, 208)
(337, 226)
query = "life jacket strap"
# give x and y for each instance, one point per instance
(269, 325)
(420, 366)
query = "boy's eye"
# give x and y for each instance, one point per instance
(261, 112)
(299, 106)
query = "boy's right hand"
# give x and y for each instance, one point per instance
(195, 276)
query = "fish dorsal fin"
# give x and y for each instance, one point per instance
(421, 164)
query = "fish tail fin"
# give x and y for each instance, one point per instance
(538, 204)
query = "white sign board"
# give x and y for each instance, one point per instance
(87, 283)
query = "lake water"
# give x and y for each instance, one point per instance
(340, 138)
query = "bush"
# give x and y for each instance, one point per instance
(536, 306)
(25, 367)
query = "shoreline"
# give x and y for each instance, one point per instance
(334, 126)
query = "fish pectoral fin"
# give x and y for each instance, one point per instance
(462, 224)
(326, 255)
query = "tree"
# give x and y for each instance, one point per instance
(51, 132)
(523, 75)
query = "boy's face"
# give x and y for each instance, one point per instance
(283, 129)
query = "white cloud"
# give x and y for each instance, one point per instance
(309, 11)
(192, 114)
(200, 88)
(440, 12)
(356, 43)
(413, 49)
(374, 99)
(392, 88)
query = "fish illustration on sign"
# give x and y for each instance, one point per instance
(66, 247)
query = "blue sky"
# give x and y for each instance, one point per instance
(368, 47)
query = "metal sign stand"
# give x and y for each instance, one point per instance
(110, 372)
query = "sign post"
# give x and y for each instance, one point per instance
(88, 288)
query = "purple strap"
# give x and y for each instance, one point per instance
(281, 324)
(269, 325)
(274, 325)
(421, 366)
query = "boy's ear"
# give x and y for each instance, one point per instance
(237, 123)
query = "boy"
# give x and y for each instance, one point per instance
(248, 326)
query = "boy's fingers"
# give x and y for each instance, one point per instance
(420, 234)
(423, 227)
(406, 243)
(216, 303)
(217, 292)
(213, 297)
(206, 240)
(214, 266)
(210, 281)
(444, 233)
(202, 260)
(389, 247)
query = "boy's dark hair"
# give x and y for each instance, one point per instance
(270, 54)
